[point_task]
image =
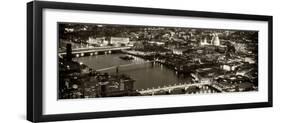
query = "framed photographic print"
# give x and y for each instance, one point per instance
(89, 61)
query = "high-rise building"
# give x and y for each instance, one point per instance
(68, 52)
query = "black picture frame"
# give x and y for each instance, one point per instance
(34, 60)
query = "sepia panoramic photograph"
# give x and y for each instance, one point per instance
(109, 60)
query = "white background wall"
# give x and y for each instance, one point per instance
(13, 60)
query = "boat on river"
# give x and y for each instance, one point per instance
(126, 57)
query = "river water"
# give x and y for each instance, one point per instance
(146, 74)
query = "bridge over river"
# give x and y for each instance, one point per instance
(95, 50)
(184, 86)
(125, 65)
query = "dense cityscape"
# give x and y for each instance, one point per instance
(99, 60)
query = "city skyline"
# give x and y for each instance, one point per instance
(105, 60)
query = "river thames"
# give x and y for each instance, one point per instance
(146, 74)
